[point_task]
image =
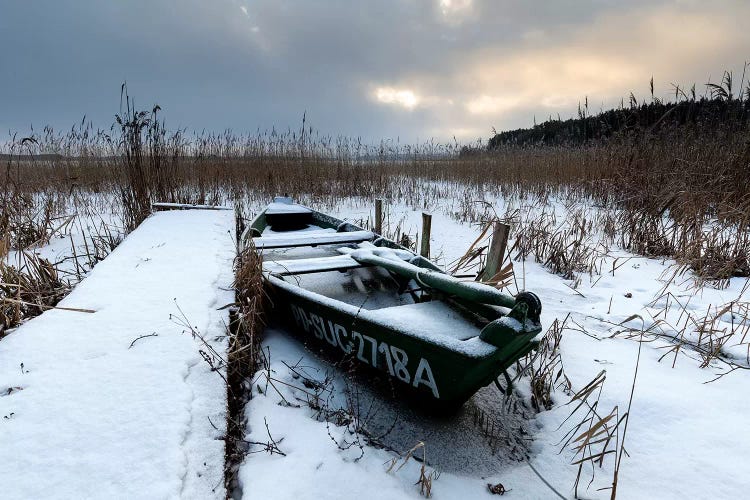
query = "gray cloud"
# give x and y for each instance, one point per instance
(408, 68)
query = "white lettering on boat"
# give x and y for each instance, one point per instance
(424, 376)
(367, 349)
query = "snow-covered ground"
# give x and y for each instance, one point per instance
(685, 437)
(118, 403)
(89, 415)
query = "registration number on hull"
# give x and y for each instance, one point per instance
(368, 350)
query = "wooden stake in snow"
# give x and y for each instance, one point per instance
(379, 216)
(424, 250)
(496, 255)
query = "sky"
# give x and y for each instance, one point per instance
(408, 70)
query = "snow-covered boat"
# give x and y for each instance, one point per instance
(381, 304)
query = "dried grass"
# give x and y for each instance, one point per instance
(28, 290)
(243, 357)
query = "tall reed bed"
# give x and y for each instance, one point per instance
(669, 187)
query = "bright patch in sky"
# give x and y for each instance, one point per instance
(491, 104)
(451, 6)
(401, 97)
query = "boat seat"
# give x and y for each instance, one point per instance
(311, 239)
(307, 266)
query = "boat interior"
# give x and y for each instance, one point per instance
(312, 251)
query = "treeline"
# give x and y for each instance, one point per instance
(4, 157)
(719, 109)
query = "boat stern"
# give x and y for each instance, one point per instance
(514, 332)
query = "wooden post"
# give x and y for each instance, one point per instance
(496, 255)
(379, 216)
(426, 229)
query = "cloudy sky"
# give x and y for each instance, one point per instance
(412, 69)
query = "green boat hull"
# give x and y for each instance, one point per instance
(430, 363)
(428, 369)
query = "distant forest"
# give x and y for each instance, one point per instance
(718, 109)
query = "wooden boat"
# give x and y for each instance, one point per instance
(376, 302)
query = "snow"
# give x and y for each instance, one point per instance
(510, 323)
(319, 264)
(89, 416)
(315, 264)
(310, 238)
(188, 206)
(316, 467)
(363, 288)
(433, 318)
(276, 208)
(431, 278)
(686, 435)
(98, 412)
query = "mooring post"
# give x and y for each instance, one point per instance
(426, 229)
(379, 216)
(499, 242)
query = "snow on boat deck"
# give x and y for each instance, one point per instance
(433, 319)
(311, 238)
(90, 415)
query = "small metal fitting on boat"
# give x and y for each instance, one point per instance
(534, 305)
(513, 329)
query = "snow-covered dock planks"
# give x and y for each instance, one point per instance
(95, 413)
